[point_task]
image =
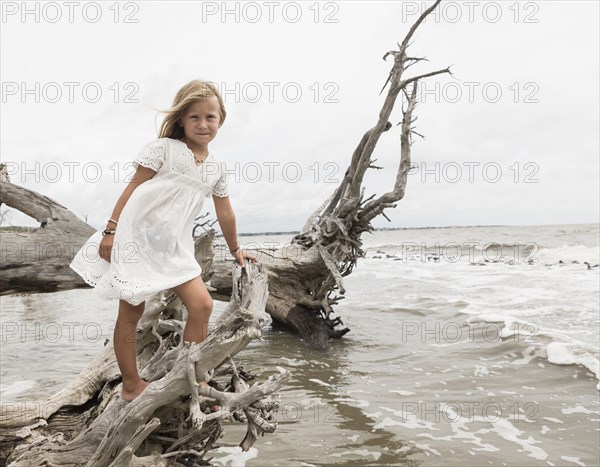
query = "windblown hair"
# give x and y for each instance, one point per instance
(189, 94)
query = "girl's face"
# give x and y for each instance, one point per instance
(202, 121)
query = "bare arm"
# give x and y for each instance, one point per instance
(226, 218)
(141, 175)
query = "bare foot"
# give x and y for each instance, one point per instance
(129, 393)
(213, 408)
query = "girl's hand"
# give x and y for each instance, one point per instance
(241, 254)
(105, 248)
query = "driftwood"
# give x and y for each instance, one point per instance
(89, 424)
(306, 276)
(37, 259)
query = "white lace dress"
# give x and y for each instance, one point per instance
(153, 248)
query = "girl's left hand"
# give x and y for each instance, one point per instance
(241, 254)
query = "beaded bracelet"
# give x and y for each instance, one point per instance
(233, 252)
(113, 221)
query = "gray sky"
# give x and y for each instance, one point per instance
(511, 138)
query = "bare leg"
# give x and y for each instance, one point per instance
(199, 305)
(125, 344)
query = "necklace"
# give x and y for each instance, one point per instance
(199, 161)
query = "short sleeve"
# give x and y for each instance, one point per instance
(152, 155)
(221, 188)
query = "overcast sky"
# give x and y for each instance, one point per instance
(511, 138)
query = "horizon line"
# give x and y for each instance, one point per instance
(282, 232)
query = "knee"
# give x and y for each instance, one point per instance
(201, 307)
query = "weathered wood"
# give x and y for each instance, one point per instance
(38, 260)
(112, 431)
(293, 274)
(334, 230)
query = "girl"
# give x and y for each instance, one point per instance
(147, 245)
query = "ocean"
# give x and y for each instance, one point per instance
(469, 346)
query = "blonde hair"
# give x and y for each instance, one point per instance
(189, 94)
